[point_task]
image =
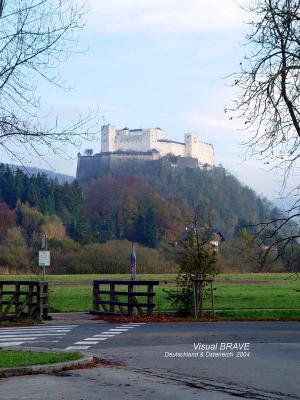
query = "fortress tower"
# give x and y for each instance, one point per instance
(108, 138)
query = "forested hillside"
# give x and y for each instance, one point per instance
(125, 195)
(90, 224)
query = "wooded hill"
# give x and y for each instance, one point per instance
(136, 194)
(92, 221)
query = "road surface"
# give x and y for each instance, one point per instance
(164, 361)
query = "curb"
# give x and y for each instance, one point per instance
(43, 368)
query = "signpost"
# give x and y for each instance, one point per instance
(44, 255)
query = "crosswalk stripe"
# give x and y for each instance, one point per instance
(119, 330)
(18, 338)
(60, 326)
(23, 332)
(7, 344)
(77, 347)
(40, 327)
(38, 335)
(126, 326)
(104, 335)
(87, 342)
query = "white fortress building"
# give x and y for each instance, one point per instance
(154, 139)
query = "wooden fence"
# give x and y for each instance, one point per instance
(107, 298)
(23, 299)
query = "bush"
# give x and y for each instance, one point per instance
(14, 251)
(112, 257)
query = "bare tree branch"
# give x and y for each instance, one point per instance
(36, 36)
(269, 103)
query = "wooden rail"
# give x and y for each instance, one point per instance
(23, 299)
(106, 297)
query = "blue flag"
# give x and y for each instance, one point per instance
(133, 263)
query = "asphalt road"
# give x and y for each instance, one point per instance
(159, 361)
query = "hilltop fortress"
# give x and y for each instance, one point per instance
(119, 145)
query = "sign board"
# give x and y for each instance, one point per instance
(44, 258)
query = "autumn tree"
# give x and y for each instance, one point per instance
(14, 251)
(7, 219)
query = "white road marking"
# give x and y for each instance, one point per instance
(103, 336)
(37, 335)
(107, 336)
(123, 327)
(60, 326)
(7, 344)
(77, 347)
(86, 342)
(119, 330)
(17, 338)
(64, 328)
(32, 332)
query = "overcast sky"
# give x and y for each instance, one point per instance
(159, 63)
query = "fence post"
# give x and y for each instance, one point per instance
(149, 300)
(96, 288)
(44, 299)
(112, 298)
(37, 313)
(130, 299)
(1, 298)
(30, 298)
(17, 299)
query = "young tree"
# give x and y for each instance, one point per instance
(35, 37)
(269, 85)
(198, 259)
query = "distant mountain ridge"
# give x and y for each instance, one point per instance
(61, 178)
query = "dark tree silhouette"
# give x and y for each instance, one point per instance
(36, 36)
(269, 103)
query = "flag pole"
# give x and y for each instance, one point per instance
(133, 271)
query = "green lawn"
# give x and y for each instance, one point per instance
(274, 295)
(16, 358)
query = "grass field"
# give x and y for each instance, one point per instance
(16, 358)
(237, 296)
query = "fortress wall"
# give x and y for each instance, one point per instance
(89, 166)
(115, 157)
(164, 148)
(132, 143)
(205, 153)
(187, 162)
